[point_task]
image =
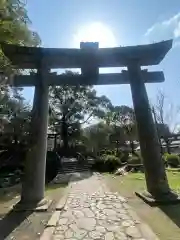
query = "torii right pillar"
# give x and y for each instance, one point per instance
(155, 174)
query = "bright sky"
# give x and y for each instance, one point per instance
(63, 23)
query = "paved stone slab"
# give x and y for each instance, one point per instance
(92, 212)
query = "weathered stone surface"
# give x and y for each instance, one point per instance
(67, 214)
(101, 206)
(88, 212)
(63, 221)
(95, 235)
(100, 229)
(117, 205)
(112, 228)
(73, 227)
(120, 236)
(109, 236)
(58, 237)
(133, 232)
(62, 228)
(91, 213)
(86, 223)
(100, 215)
(109, 212)
(78, 213)
(80, 234)
(128, 223)
(124, 216)
(69, 233)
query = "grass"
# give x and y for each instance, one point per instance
(173, 169)
(10, 195)
(25, 225)
(164, 220)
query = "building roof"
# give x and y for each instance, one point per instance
(29, 57)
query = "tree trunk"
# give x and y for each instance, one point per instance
(132, 147)
(168, 146)
(65, 135)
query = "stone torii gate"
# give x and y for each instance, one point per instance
(89, 58)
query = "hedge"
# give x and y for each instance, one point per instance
(172, 160)
(107, 163)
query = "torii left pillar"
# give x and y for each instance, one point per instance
(34, 179)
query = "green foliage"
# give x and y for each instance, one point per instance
(138, 154)
(110, 158)
(134, 160)
(15, 29)
(15, 116)
(107, 162)
(52, 165)
(172, 160)
(135, 163)
(97, 136)
(74, 106)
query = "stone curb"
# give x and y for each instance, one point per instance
(47, 234)
(51, 225)
(54, 219)
(62, 202)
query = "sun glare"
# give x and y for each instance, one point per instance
(96, 32)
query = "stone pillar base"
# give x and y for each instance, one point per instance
(41, 206)
(170, 198)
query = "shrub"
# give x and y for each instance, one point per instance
(135, 164)
(124, 156)
(107, 163)
(134, 160)
(52, 165)
(172, 160)
(111, 162)
(164, 158)
(138, 154)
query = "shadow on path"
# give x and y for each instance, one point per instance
(71, 177)
(11, 221)
(173, 212)
(77, 176)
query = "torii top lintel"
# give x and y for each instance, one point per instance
(29, 57)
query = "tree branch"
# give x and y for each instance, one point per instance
(87, 119)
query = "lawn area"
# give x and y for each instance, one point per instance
(9, 196)
(164, 220)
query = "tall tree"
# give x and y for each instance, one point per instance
(97, 136)
(123, 121)
(74, 106)
(15, 28)
(166, 117)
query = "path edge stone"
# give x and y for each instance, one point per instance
(62, 202)
(51, 225)
(47, 234)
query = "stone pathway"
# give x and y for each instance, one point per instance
(92, 212)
